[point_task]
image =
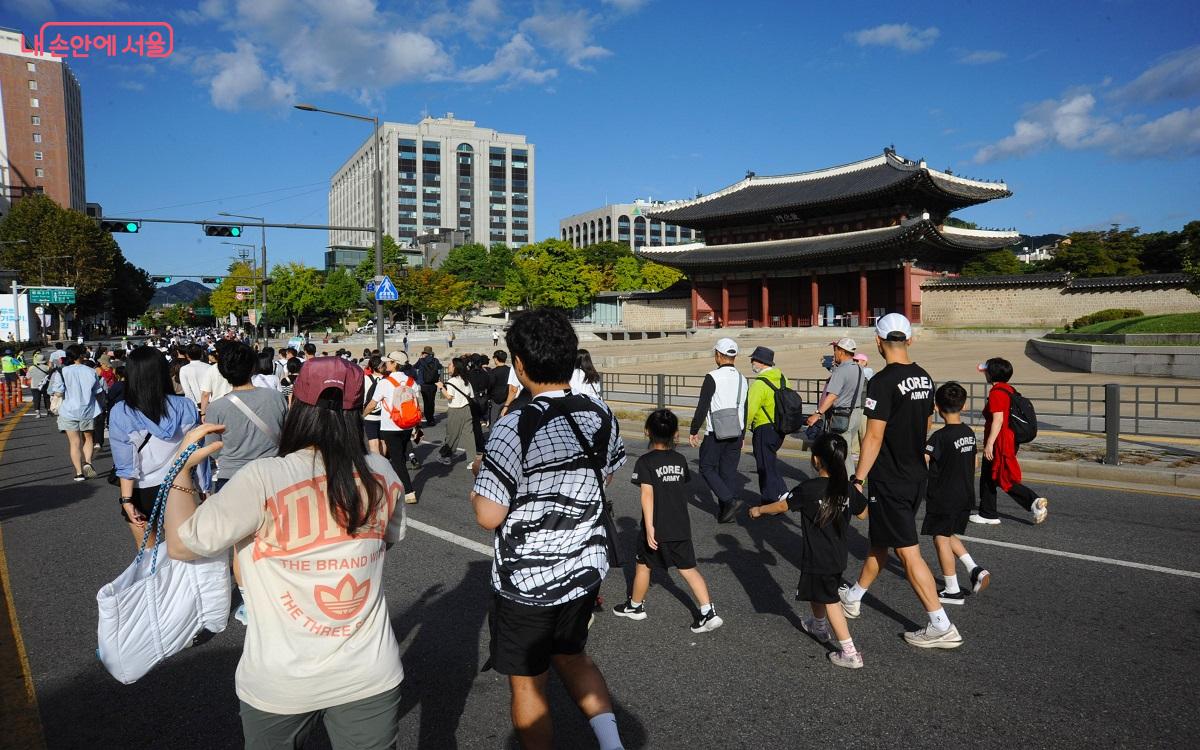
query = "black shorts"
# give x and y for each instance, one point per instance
(679, 555)
(525, 637)
(143, 500)
(371, 427)
(892, 513)
(944, 524)
(822, 589)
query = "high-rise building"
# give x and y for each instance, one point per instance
(41, 130)
(442, 173)
(626, 223)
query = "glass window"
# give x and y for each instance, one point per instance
(33, 85)
(37, 155)
(39, 171)
(33, 102)
(36, 119)
(37, 137)
(31, 67)
(465, 147)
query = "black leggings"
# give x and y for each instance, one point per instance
(398, 442)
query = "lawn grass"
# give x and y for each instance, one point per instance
(1179, 323)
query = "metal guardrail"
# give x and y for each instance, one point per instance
(1151, 410)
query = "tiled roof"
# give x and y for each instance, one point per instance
(1028, 279)
(1065, 280)
(874, 176)
(1115, 282)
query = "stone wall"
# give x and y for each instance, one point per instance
(1152, 361)
(656, 314)
(1037, 306)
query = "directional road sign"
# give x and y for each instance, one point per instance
(244, 290)
(53, 295)
(386, 291)
(371, 287)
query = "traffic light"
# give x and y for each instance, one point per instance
(211, 279)
(223, 230)
(125, 227)
(161, 279)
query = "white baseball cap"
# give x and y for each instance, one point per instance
(726, 346)
(893, 327)
(847, 344)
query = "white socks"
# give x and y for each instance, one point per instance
(856, 593)
(951, 583)
(848, 647)
(706, 608)
(939, 621)
(967, 562)
(605, 728)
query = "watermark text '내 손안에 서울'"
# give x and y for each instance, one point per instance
(80, 39)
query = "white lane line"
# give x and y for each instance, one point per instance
(1089, 558)
(461, 541)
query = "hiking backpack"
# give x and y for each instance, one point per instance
(789, 407)
(431, 371)
(1022, 419)
(407, 414)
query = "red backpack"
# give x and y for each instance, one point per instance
(407, 414)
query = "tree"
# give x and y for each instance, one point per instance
(951, 221)
(1112, 253)
(484, 267)
(656, 277)
(551, 273)
(342, 293)
(626, 275)
(132, 290)
(295, 292)
(223, 299)
(394, 258)
(1000, 262)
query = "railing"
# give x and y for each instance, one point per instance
(1160, 410)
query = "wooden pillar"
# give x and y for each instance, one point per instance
(695, 304)
(864, 308)
(766, 304)
(725, 302)
(815, 293)
(908, 290)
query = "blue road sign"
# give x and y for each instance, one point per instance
(371, 286)
(386, 291)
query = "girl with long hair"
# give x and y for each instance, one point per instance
(825, 504)
(459, 395)
(585, 379)
(319, 644)
(146, 429)
(264, 371)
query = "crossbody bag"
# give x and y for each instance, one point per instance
(256, 420)
(839, 416)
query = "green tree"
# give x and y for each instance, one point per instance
(656, 277)
(625, 276)
(223, 298)
(296, 293)
(394, 258)
(132, 290)
(952, 221)
(342, 293)
(484, 267)
(551, 273)
(1000, 262)
(1112, 253)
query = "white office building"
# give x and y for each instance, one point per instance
(440, 174)
(626, 223)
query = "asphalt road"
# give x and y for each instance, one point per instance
(1059, 652)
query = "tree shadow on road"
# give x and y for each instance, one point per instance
(36, 495)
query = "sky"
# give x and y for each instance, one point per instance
(1088, 110)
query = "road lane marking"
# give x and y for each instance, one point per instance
(23, 715)
(1078, 556)
(461, 541)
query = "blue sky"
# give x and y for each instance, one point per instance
(1090, 111)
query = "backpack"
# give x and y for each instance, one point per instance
(407, 414)
(789, 407)
(1022, 419)
(431, 371)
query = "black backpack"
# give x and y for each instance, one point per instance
(431, 371)
(1022, 419)
(789, 407)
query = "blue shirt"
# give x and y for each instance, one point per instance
(80, 386)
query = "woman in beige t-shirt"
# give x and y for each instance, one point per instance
(309, 528)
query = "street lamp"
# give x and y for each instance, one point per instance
(378, 187)
(263, 225)
(15, 294)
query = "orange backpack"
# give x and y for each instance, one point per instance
(407, 414)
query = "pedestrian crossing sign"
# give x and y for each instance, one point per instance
(385, 291)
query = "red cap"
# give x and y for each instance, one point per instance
(320, 373)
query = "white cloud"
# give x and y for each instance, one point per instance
(902, 36)
(516, 62)
(1176, 76)
(569, 34)
(208, 10)
(625, 6)
(239, 78)
(982, 57)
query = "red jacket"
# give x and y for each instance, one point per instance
(1006, 471)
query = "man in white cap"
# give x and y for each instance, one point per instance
(838, 406)
(721, 410)
(899, 411)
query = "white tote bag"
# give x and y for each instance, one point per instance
(157, 606)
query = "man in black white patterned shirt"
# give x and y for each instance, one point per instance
(539, 486)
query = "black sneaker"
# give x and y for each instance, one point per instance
(958, 597)
(708, 622)
(414, 462)
(79, 477)
(628, 610)
(728, 512)
(980, 579)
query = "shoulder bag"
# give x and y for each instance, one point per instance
(839, 416)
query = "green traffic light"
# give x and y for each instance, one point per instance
(131, 226)
(166, 279)
(235, 231)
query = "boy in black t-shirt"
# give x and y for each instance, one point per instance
(950, 453)
(665, 540)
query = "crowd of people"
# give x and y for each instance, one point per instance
(331, 438)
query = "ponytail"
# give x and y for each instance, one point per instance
(830, 449)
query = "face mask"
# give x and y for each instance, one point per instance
(757, 367)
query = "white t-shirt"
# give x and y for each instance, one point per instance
(215, 384)
(513, 381)
(387, 394)
(265, 381)
(319, 632)
(460, 392)
(191, 377)
(587, 389)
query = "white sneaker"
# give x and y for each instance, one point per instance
(1041, 509)
(852, 609)
(976, 518)
(809, 625)
(849, 661)
(927, 637)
